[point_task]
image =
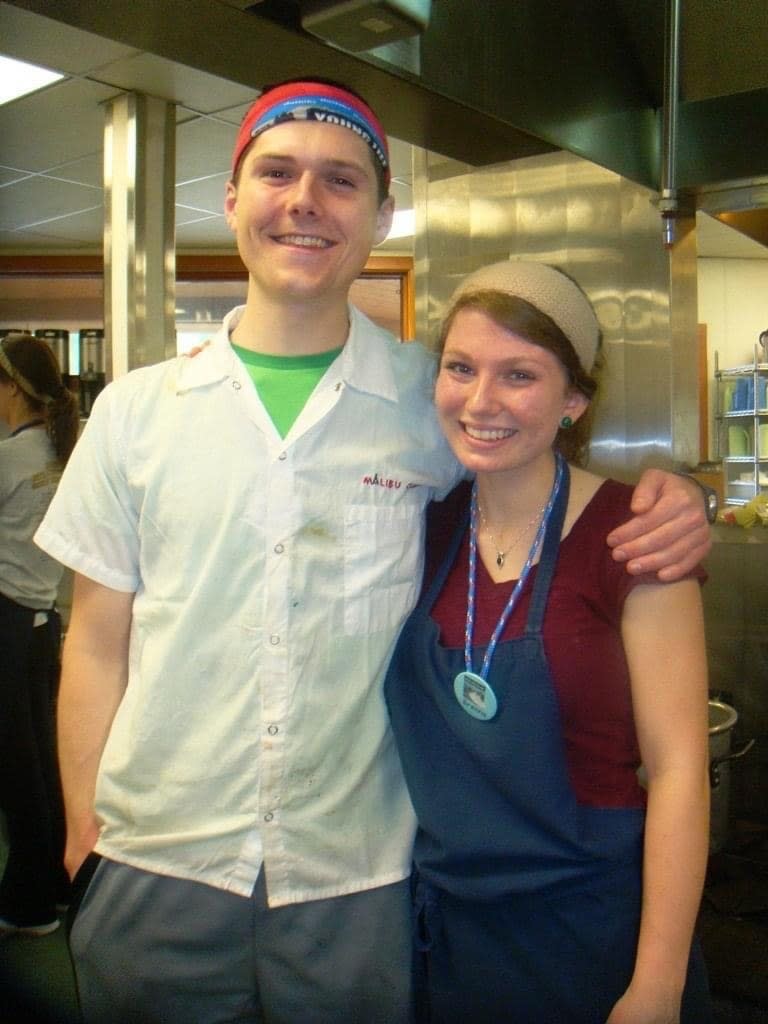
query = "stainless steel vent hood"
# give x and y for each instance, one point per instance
(500, 80)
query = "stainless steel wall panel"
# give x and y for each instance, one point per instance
(606, 232)
(684, 345)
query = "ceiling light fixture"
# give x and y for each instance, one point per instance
(403, 224)
(365, 24)
(17, 78)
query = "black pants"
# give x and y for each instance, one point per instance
(30, 792)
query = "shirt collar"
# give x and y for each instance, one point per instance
(364, 364)
(215, 362)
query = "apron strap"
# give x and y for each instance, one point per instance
(549, 552)
(441, 575)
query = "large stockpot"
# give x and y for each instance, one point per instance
(722, 719)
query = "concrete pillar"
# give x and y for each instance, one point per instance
(139, 232)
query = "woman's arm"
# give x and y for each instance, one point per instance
(663, 633)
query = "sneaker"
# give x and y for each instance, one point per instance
(8, 928)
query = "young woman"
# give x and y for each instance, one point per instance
(43, 418)
(530, 684)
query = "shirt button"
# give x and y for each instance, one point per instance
(279, 549)
(274, 639)
(283, 456)
(236, 385)
(273, 730)
(268, 816)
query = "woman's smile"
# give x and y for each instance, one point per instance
(486, 433)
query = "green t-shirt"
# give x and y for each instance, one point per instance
(284, 383)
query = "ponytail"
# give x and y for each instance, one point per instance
(62, 423)
(31, 364)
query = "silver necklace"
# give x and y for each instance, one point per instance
(502, 555)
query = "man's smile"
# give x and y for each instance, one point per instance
(303, 241)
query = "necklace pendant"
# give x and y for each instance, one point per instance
(500, 556)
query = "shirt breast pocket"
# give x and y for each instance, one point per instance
(382, 566)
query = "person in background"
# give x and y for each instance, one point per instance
(246, 529)
(42, 416)
(529, 685)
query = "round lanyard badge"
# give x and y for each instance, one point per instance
(472, 690)
(475, 696)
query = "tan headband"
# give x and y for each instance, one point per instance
(19, 378)
(549, 291)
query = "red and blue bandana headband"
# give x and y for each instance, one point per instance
(313, 101)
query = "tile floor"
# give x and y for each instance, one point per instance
(36, 981)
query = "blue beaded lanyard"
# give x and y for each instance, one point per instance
(472, 690)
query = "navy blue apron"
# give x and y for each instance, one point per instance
(527, 904)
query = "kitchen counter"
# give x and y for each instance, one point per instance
(724, 534)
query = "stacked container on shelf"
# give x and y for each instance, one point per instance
(742, 429)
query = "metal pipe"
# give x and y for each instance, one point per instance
(668, 205)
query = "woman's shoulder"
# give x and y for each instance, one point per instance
(600, 500)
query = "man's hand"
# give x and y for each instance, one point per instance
(669, 533)
(197, 349)
(79, 846)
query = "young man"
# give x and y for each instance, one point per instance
(245, 557)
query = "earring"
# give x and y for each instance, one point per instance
(566, 422)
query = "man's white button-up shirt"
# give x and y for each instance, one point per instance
(271, 577)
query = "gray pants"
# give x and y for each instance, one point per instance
(154, 950)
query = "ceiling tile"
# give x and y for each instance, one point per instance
(208, 234)
(206, 195)
(41, 241)
(235, 115)
(189, 215)
(712, 236)
(89, 170)
(197, 90)
(52, 44)
(203, 148)
(69, 121)
(10, 174)
(8, 240)
(77, 230)
(36, 200)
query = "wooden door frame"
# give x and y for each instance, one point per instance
(211, 267)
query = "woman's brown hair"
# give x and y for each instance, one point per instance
(31, 364)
